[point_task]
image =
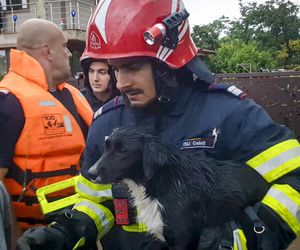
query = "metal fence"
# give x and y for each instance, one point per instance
(13, 15)
(277, 92)
(66, 14)
(69, 14)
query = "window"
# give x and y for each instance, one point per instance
(13, 4)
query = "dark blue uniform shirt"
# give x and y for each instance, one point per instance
(213, 122)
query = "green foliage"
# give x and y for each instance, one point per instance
(272, 28)
(271, 24)
(208, 36)
(289, 55)
(235, 57)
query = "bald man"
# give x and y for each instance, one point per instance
(43, 120)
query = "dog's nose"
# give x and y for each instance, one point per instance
(93, 173)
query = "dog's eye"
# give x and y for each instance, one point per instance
(107, 144)
(120, 147)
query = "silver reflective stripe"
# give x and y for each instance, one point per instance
(92, 192)
(278, 160)
(68, 124)
(98, 112)
(96, 210)
(286, 202)
(4, 91)
(47, 104)
(234, 90)
(237, 239)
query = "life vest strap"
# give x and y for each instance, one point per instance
(32, 221)
(24, 177)
(30, 200)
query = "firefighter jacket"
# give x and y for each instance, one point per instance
(51, 143)
(218, 122)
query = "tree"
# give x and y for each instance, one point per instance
(290, 56)
(208, 36)
(233, 54)
(271, 25)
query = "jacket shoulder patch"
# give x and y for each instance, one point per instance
(227, 88)
(112, 104)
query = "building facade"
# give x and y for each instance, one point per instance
(70, 15)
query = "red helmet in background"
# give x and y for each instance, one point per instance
(86, 60)
(153, 28)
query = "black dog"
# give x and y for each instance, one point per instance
(176, 193)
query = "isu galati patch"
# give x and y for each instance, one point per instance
(200, 142)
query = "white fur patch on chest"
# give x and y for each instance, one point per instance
(149, 210)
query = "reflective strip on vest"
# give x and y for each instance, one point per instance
(239, 239)
(278, 160)
(136, 228)
(285, 201)
(93, 191)
(68, 124)
(47, 104)
(101, 215)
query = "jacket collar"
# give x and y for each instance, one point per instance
(175, 108)
(29, 68)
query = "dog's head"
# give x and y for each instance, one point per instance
(129, 153)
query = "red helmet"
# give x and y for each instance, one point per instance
(154, 28)
(86, 60)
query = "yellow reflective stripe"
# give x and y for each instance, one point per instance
(79, 243)
(272, 152)
(285, 201)
(94, 195)
(93, 191)
(137, 228)
(101, 215)
(48, 207)
(280, 165)
(278, 160)
(240, 241)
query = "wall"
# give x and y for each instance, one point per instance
(278, 93)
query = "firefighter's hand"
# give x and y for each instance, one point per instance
(218, 237)
(42, 238)
(226, 236)
(257, 229)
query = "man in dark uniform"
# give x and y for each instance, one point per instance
(165, 87)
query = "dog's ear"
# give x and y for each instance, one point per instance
(154, 158)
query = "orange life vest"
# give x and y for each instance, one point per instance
(51, 143)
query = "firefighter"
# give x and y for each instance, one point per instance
(100, 85)
(165, 85)
(43, 120)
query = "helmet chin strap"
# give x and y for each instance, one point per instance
(165, 83)
(200, 69)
